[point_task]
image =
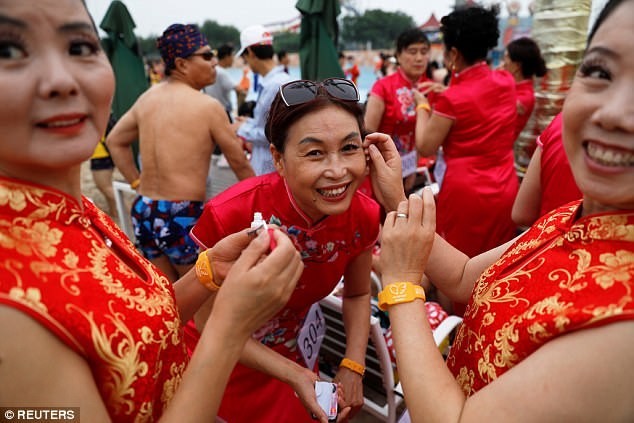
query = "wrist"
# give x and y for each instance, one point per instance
(423, 106)
(205, 272)
(353, 366)
(400, 292)
(135, 184)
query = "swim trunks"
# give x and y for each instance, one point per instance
(161, 227)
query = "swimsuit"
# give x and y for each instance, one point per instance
(161, 227)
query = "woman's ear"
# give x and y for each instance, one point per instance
(278, 159)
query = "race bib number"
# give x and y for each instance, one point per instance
(311, 335)
(409, 161)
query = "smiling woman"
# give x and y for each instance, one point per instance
(316, 144)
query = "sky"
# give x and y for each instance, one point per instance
(153, 16)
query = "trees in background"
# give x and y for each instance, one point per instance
(375, 28)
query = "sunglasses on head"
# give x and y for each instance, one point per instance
(206, 55)
(302, 91)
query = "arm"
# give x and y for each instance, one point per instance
(528, 201)
(431, 131)
(119, 140)
(257, 286)
(230, 144)
(591, 385)
(373, 113)
(356, 319)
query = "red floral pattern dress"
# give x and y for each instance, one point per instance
(564, 274)
(326, 249)
(58, 266)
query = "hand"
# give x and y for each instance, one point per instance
(258, 285)
(431, 87)
(226, 251)
(415, 232)
(350, 394)
(303, 383)
(385, 170)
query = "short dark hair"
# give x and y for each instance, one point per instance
(473, 31)
(261, 51)
(409, 37)
(224, 51)
(281, 54)
(281, 117)
(526, 52)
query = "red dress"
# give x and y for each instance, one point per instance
(526, 99)
(480, 184)
(399, 116)
(558, 186)
(57, 266)
(326, 249)
(562, 275)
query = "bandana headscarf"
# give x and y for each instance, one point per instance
(179, 40)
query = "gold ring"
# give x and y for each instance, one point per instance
(401, 215)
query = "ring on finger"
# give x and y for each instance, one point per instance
(401, 215)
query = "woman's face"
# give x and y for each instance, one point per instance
(599, 117)
(323, 162)
(413, 60)
(56, 86)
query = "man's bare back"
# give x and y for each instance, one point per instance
(177, 127)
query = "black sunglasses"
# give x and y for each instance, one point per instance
(302, 91)
(206, 55)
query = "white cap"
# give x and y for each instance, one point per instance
(253, 35)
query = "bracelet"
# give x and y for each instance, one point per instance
(135, 184)
(400, 292)
(424, 106)
(353, 365)
(205, 273)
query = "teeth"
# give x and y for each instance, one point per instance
(609, 157)
(60, 123)
(332, 192)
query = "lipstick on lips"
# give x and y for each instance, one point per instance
(66, 124)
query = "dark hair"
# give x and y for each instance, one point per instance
(224, 51)
(473, 31)
(261, 51)
(607, 10)
(281, 117)
(409, 37)
(526, 52)
(281, 54)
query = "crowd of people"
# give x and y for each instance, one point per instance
(198, 317)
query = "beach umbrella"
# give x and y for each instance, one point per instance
(318, 54)
(122, 49)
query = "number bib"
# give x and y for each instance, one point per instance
(311, 335)
(409, 163)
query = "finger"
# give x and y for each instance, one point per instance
(343, 414)
(254, 251)
(415, 209)
(402, 212)
(429, 209)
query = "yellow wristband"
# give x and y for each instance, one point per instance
(424, 106)
(353, 365)
(400, 292)
(135, 184)
(205, 273)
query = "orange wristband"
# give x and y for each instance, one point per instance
(353, 365)
(135, 184)
(205, 273)
(424, 106)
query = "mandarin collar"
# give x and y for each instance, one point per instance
(34, 201)
(606, 226)
(470, 72)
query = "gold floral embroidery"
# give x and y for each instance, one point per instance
(14, 198)
(31, 297)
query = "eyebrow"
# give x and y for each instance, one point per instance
(5, 20)
(602, 51)
(67, 27)
(350, 136)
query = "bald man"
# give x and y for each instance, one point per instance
(177, 127)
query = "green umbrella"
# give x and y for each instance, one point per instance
(122, 49)
(318, 54)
